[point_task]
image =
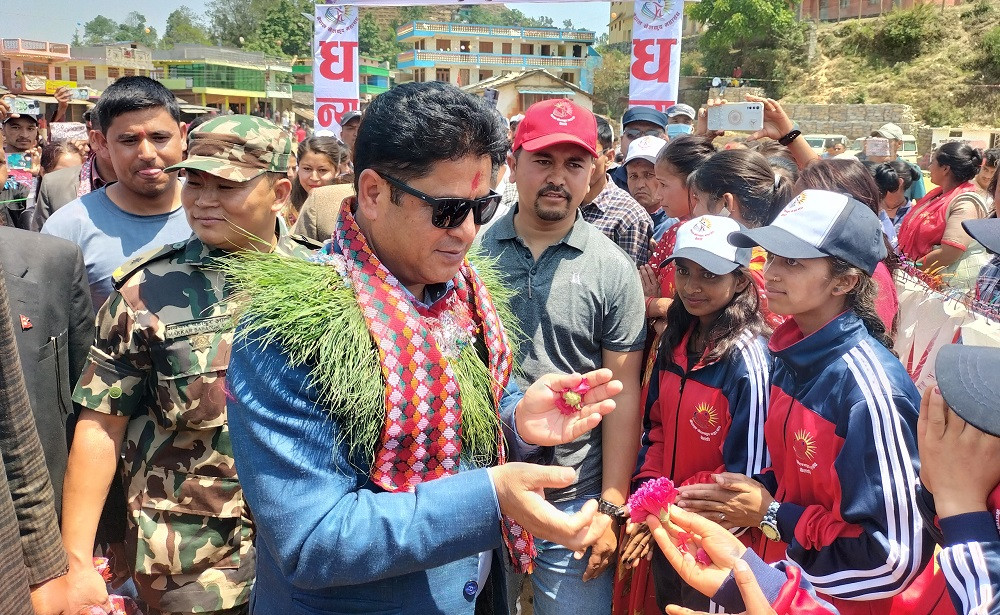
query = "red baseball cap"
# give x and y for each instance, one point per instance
(555, 121)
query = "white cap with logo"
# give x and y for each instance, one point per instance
(644, 148)
(705, 240)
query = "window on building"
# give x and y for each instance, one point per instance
(72, 73)
(823, 4)
(529, 99)
(546, 50)
(577, 51)
(36, 68)
(443, 44)
(527, 49)
(485, 74)
(464, 76)
(465, 46)
(486, 47)
(506, 48)
(130, 72)
(113, 72)
(442, 74)
(561, 51)
(420, 75)
(89, 72)
(58, 72)
(845, 3)
(568, 77)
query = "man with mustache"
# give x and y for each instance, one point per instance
(578, 301)
(141, 129)
(642, 183)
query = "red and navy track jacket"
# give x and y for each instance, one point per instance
(709, 418)
(781, 583)
(841, 433)
(970, 561)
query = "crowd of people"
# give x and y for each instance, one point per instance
(423, 365)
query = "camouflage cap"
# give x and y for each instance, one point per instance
(237, 148)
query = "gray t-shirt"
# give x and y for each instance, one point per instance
(582, 296)
(108, 236)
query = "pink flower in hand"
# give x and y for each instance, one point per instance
(652, 498)
(702, 557)
(570, 401)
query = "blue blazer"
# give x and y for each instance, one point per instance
(329, 541)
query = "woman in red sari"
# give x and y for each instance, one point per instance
(931, 234)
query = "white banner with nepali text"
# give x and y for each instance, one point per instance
(656, 53)
(335, 65)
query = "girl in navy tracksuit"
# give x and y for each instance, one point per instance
(840, 494)
(707, 397)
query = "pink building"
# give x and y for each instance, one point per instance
(835, 10)
(25, 64)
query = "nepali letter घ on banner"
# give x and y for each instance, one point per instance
(335, 64)
(656, 53)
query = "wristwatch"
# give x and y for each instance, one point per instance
(791, 136)
(614, 511)
(769, 524)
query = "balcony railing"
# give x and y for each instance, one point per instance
(483, 59)
(38, 48)
(430, 28)
(278, 90)
(221, 55)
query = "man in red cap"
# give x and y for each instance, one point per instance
(578, 301)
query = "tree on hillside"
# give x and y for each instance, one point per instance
(761, 36)
(184, 27)
(372, 42)
(99, 30)
(284, 31)
(611, 82)
(230, 19)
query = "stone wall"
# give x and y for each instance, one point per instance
(851, 120)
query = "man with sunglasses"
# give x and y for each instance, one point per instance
(638, 122)
(579, 302)
(370, 400)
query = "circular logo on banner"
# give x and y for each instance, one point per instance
(338, 19)
(659, 12)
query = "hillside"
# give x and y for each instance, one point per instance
(940, 63)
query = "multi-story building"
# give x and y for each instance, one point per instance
(374, 77)
(620, 26)
(834, 10)
(226, 79)
(464, 54)
(25, 65)
(99, 66)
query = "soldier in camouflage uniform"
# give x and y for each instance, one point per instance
(155, 383)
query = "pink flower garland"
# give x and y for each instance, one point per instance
(654, 497)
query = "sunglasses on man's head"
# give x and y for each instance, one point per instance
(451, 212)
(635, 133)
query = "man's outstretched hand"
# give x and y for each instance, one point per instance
(542, 423)
(519, 489)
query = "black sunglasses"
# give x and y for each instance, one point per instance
(635, 133)
(451, 212)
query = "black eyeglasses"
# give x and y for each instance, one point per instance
(451, 212)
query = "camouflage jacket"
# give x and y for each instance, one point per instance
(160, 358)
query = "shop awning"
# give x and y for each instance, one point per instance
(305, 113)
(545, 91)
(196, 109)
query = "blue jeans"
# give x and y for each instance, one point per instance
(558, 578)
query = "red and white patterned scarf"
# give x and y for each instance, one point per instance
(422, 436)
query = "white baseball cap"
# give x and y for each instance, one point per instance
(645, 148)
(705, 240)
(818, 223)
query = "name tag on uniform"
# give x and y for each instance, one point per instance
(195, 327)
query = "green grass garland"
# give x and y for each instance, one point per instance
(307, 309)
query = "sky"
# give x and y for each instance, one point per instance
(56, 20)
